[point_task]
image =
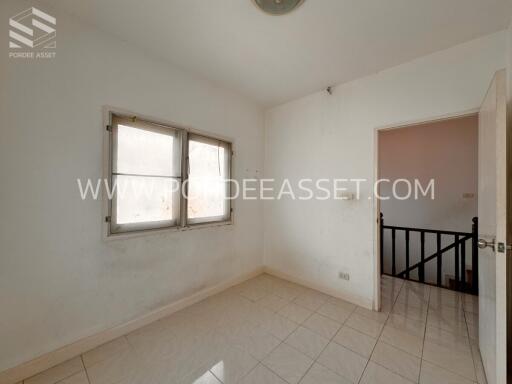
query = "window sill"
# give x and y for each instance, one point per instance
(160, 231)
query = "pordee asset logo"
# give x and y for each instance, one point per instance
(32, 35)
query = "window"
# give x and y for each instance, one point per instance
(165, 177)
(208, 172)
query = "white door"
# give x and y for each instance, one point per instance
(492, 154)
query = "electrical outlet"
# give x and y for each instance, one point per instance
(344, 276)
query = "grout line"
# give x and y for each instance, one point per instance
(315, 361)
(470, 345)
(380, 334)
(260, 362)
(85, 369)
(424, 335)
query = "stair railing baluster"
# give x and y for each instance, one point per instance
(393, 254)
(422, 266)
(439, 259)
(459, 245)
(407, 254)
(457, 263)
(463, 265)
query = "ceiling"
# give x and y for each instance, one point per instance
(273, 59)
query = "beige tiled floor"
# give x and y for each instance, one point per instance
(270, 331)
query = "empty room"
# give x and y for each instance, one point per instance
(256, 192)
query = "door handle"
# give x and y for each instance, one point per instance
(482, 243)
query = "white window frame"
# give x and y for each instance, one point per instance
(186, 172)
(145, 228)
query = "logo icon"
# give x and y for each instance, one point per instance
(32, 28)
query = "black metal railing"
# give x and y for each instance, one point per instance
(460, 239)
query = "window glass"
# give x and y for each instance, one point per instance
(208, 185)
(144, 199)
(145, 152)
(146, 168)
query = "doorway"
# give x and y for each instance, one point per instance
(428, 204)
(494, 233)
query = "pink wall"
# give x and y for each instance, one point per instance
(445, 151)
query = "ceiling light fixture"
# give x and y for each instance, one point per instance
(277, 7)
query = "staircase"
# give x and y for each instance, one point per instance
(459, 279)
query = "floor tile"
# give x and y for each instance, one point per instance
(262, 375)
(105, 351)
(341, 303)
(273, 302)
(57, 373)
(237, 336)
(365, 325)
(470, 303)
(288, 363)
(455, 361)
(335, 312)
(308, 342)
(417, 287)
(77, 378)
(253, 293)
(150, 350)
(321, 375)
(258, 314)
(279, 326)
(479, 367)
(448, 339)
(471, 318)
(451, 315)
(159, 372)
(397, 361)
(381, 317)
(448, 324)
(232, 365)
(287, 292)
(376, 374)
(355, 341)
(385, 306)
(115, 369)
(197, 378)
(411, 326)
(431, 374)
(322, 325)
(252, 339)
(412, 299)
(473, 334)
(443, 298)
(343, 361)
(409, 311)
(402, 340)
(390, 293)
(311, 300)
(295, 313)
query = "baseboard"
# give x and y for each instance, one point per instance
(48, 360)
(362, 302)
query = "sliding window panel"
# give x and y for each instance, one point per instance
(209, 171)
(145, 175)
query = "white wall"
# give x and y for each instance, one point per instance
(333, 136)
(59, 281)
(447, 152)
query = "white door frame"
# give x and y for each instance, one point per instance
(376, 202)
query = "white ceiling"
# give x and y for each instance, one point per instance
(272, 59)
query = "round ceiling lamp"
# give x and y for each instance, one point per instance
(277, 7)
